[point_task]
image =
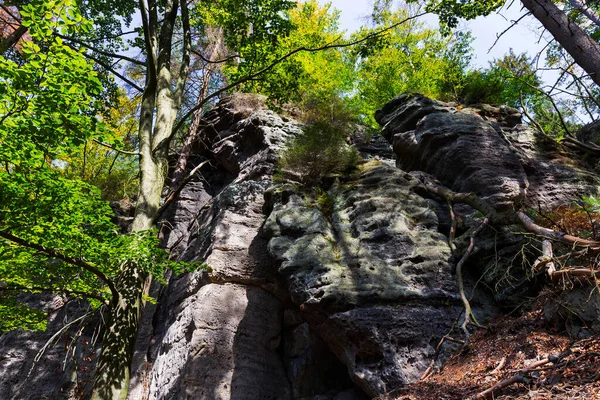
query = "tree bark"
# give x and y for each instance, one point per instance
(586, 10)
(157, 116)
(584, 50)
(12, 39)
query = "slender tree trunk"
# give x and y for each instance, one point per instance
(584, 50)
(112, 375)
(209, 70)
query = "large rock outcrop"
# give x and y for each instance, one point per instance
(373, 277)
(336, 293)
(482, 149)
(222, 334)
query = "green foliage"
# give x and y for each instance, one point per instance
(319, 150)
(114, 173)
(15, 315)
(505, 82)
(409, 58)
(592, 203)
(451, 11)
(325, 203)
(307, 77)
(56, 233)
(551, 121)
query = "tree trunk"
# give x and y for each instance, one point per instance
(584, 50)
(586, 10)
(190, 138)
(157, 117)
(12, 39)
(112, 375)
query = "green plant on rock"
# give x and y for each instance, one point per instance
(320, 150)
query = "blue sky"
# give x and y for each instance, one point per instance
(521, 38)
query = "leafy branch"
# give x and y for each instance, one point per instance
(79, 262)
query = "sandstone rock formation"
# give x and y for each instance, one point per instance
(482, 150)
(340, 293)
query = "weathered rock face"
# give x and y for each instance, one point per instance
(223, 334)
(24, 376)
(222, 343)
(221, 337)
(340, 298)
(483, 150)
(371, 277)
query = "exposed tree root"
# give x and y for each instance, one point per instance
(469, 318)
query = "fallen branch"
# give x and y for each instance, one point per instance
(519, 377)
(552, 234)
(499, 366)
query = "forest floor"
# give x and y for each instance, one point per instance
(502, 351)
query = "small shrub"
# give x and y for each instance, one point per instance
(318, 151)
(325, 203)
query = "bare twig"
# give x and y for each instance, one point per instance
(452, 233)
(499, 35)
(100, 51)
(131, 153)
(519, 377)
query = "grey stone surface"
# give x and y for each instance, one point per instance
(221, 335)
(483, 149)
(556, 178)
(466, 154)
(589, 133)
(222, 343)
(367, 273)
(577, 310)
(64, 371)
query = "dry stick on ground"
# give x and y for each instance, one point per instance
(438, 349)
(519, 377)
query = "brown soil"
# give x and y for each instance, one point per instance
(519, 341)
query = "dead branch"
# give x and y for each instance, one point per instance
(519, 377)
(552, 234)
(499, 366)
(572, 142)
(173, 195)
(439, 347)
(576, 272)
(452, 233)
(470, 199)
(499, 35)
